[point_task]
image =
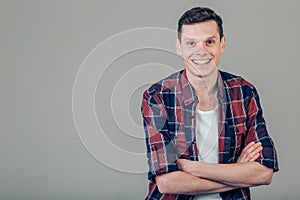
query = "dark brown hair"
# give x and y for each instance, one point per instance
(199, 14)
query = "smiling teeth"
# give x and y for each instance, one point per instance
(201, 62)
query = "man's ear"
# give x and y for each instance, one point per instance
(223, 44)
(178, 47)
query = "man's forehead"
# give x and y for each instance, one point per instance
(211, 23)
(208, 29)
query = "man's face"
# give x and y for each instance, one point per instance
(201, 47)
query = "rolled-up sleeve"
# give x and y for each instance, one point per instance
(161, 153)
(257, 131)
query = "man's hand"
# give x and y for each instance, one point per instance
(246, 173)
(250, 153)
(187, 166)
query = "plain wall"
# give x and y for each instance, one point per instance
(44, 43)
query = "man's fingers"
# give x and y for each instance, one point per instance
(255, 157)
(258, 150)
(254, 153)
(251, 147)
(251, 152)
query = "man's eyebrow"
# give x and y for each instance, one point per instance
(212, 37)
(188, 38)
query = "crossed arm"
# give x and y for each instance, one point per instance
(205, 178)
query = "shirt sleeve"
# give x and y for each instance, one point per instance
(257, 131)
(161, 154)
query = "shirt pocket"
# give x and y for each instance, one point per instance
(238, 139)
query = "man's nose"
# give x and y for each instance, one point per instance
(200, 49)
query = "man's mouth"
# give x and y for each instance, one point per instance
(201, 61)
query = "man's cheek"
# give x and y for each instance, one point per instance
(188, 54)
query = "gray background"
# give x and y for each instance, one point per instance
(42, 45)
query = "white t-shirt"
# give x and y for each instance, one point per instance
(207, 143)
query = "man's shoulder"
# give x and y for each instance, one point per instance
(232, 80)
(166, 84)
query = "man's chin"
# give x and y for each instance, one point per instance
(205, 72)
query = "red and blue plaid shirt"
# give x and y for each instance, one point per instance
(169, 113)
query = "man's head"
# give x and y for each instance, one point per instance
(200, 41)
(197, 15)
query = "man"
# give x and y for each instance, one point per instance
(206, 137)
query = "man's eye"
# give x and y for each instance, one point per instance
(191, 43)
(210, 42)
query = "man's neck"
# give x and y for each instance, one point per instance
(205, 89)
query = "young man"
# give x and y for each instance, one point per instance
(206, 137)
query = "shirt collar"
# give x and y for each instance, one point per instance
(187, 90)
(189, 94)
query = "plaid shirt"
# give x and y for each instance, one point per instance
(169, 113)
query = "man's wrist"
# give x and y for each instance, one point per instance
(195, 168)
